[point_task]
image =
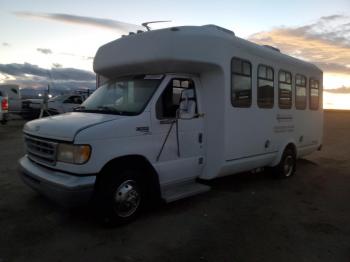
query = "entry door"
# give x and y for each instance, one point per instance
(179, 144)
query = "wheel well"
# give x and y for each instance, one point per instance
(292, 147)
(149, 177)
(278, 158)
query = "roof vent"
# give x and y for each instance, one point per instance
(272, 48)
(221, 29)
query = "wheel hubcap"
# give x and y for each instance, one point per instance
(127, 198)
(288, 165)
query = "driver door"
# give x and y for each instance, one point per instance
(179, 143)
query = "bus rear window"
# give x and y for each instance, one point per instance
(314, 94)
(285, 90)
(300, 92)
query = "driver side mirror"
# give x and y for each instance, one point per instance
(187, 107)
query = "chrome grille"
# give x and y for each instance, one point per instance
(41, 150)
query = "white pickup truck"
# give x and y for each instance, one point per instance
(64, 103)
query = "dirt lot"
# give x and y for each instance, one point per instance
(243, 218)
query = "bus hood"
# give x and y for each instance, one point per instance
(66, 126)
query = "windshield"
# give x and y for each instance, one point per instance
(59, 98)
(126, 96)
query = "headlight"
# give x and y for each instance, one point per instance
(74, 154)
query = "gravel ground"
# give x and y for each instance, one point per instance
(246, 217)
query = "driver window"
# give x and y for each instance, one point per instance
(73, 100)
(169, 101)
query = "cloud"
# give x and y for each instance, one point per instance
(332, 17)
(79, 56)
(6, 44)
(28, 75)
(340, 90)
(56, 65)
(22, 69)
(45, 51)
(334, 68)
(84, 20)
(55, 73)
(326, 42)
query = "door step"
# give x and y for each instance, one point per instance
(181, 190)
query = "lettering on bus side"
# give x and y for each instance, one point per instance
(283, 129)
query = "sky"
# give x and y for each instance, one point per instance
(53, 42)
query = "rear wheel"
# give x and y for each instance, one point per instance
(120, 197)
(287, 166)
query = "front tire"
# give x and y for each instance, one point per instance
(120, 197)
(287, 166)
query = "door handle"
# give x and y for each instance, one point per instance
(200, 138)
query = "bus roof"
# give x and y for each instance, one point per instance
(189, 48)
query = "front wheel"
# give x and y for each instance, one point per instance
(119, 197)
(287, 166)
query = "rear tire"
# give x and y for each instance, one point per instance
(120, 197)
(287, 166)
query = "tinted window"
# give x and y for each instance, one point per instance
(74, 100)
(265, 86)
(241, 83)
(285, 90)
(169, 101)
(300, 92)
(314, 94)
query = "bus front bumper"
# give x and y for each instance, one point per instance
(64, 189)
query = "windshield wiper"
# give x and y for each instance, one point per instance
(103, 109)
(79, 108)
(106, 108)
(112, 110)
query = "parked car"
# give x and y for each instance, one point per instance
(14, 98)
(64, 103)
(3, 108)
(31, 108)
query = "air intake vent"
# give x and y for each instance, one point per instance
(272, 48)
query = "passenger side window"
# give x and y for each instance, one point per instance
(241, 83)
(285, 90)
(265, 86)
(300, 92)
(314, 94)
(169, 101)
(73, 100)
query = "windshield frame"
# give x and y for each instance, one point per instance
(159, 77)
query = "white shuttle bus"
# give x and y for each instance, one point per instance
(175, 107)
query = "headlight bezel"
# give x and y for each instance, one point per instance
(77, 154)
